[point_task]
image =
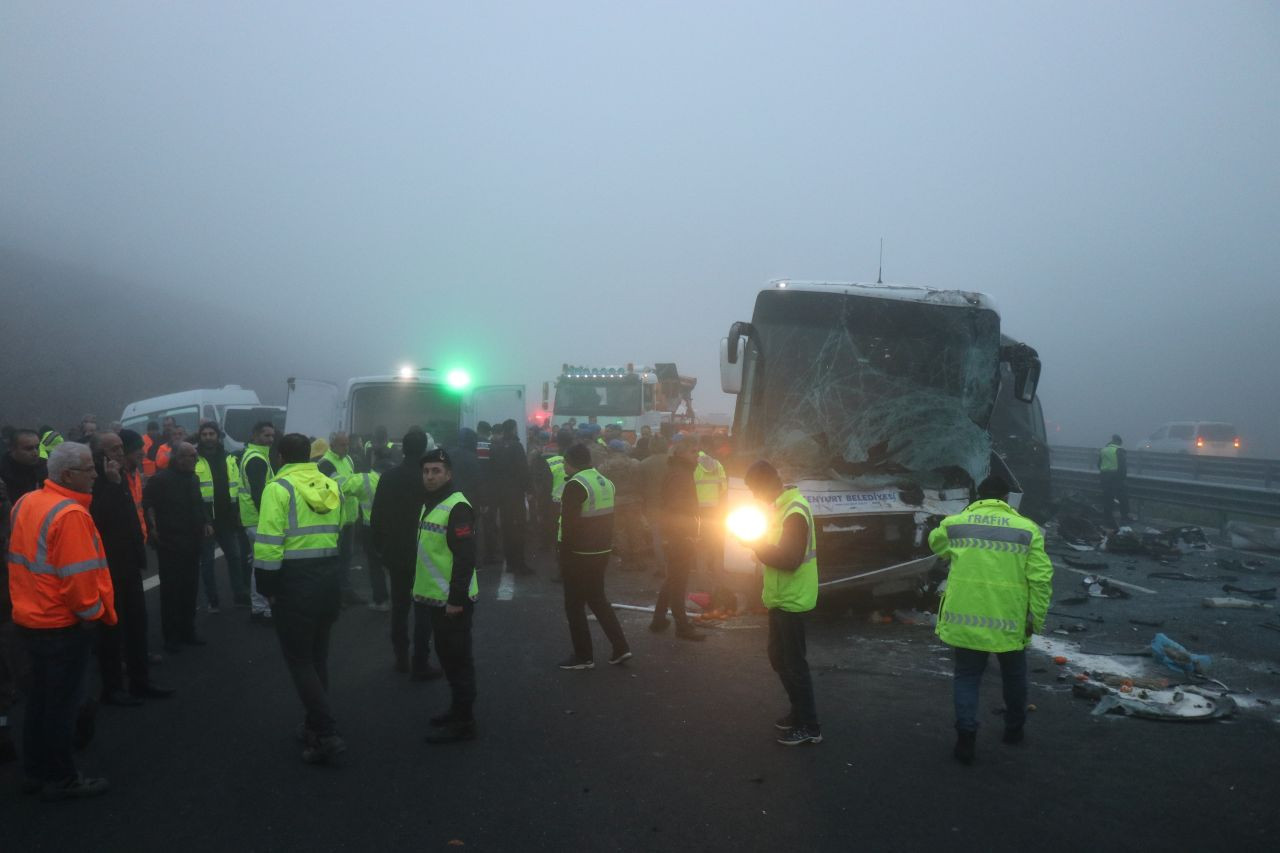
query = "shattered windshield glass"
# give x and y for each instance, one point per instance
(609, 397)
(873, 390)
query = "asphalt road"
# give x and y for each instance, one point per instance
(674, 751)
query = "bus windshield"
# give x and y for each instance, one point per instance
(401, 406)
(870, 389)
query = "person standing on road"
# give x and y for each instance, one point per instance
(177, 436)
(1113, 469)
(176, 529)
(60, 585)
(510, 468)
(789, 554)
(444, 584)
(393, 526)
(295, 558)
(336, 464)
(124, 543)
(219, 477)
(680, 539)
(368, 485)
(998, 593)
(255, 472)
(586, 543)
(652, 472)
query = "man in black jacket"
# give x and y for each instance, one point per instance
(176, 528)
(393, 528)
(510, 468)
(223, 513)
(116, 517)
(679, 514)
(21, 471)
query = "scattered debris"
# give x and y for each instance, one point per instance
(1183, 540)
(1071, 602)
(1233, 604)
(915, 617)
(1123, 541)
(1183, 576)
(1177, 658)
(1253, 537)
(1174, 705)
(1078, 532)
(1259, 594)
(1147, 623)
(1090, 618)
(1092, 564)
(1100, 587)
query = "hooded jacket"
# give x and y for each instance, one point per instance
(299, 521)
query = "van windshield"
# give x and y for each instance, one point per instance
(401, 406)
(239, 422)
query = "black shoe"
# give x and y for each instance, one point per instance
(120, 698)
(320, 750)
(801, 735)
(964, 750)
(75, 787)
(575, 662)
(1012, 735)
(154, 691)
(785, 724)
(620, 658)
(8, 751)
(425, 673)
(455, 732)
(686, 632)
(658, 625)
(195, 640)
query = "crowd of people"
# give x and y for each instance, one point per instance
(290, 514)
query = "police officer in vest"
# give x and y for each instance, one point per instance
(1113, 469)
(997, 596)
(296, 567)
(586, 542)
(789, 555)
(445, 587)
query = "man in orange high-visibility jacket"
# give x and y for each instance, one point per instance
(60, 584)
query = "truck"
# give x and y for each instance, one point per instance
(631, 397)
(233, 408)
(874, 400)
(438, 402)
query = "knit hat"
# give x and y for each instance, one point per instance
(132, 441)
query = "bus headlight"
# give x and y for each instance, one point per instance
(747, 523)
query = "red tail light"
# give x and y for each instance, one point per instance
(1199, 441)
(1237, 443)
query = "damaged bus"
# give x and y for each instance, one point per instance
(876, 401)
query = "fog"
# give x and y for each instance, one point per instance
(241, 192)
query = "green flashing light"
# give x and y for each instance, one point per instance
(457, 379)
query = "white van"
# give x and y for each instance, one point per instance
(1206, 438)
(233, 408)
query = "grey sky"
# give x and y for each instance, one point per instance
(600, 182)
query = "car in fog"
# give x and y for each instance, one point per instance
(1207, 438)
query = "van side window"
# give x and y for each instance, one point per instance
(1183, 431)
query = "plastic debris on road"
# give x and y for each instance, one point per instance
(1253, 537)
(915, 617)
(1178, 658)
(1233, 604)
(1100, 587)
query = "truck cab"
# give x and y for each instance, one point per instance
(631, 397)
(875, 400)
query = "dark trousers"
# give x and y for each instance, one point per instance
(126, 641)
(346, 546)
(179, 582)
(1114, 491)
(490, 541)
(969, 667)
(14, 670)
(453, 646)
(242, 575)
(512, 516)
(224, 537)
(401, 573)
(787, 657)
(373, 564)
(59, 657)
(583, 576)
(680, 556)
(305, 609)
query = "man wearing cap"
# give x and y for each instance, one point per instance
(445, 590)
(1113, 469)
(998, 593)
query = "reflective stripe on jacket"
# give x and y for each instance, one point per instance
(299, 518)
(434, 570)
(594, 526)
(796, 592)
(1109, 458)
(343, 473)
(556, 464)
(1000, 576)
(58, 573)
(710, 480)
(205, 475)
(368, 488)
(48, 442)
(248, 509)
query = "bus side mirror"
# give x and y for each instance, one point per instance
(730, 369)
(1025, 364)
(737, 332)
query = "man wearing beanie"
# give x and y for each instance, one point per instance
(997, 596)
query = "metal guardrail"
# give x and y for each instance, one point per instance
(1225, 500)
(1258, 473)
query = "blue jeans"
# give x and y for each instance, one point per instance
(969, 667)
(224, 536)
(59, 657)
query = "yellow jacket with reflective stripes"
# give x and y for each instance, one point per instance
(710, 480)
(1109, 458)
(248, 509)
(796, 592)
(205, 475)
(344, 475)
(434, 571)
(299, 517)
(556, 464)
(1000, 577)
(367, 483)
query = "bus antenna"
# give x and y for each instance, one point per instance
(880, 274)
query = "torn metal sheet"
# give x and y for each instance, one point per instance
(1253, 537)
(1174, 705)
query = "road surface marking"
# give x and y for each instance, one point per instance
(154, 581)
(506, 586)
(1111, 580)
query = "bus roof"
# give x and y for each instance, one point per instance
(902, 292)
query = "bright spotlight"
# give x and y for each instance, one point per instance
(747, 523)
(457, 379)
